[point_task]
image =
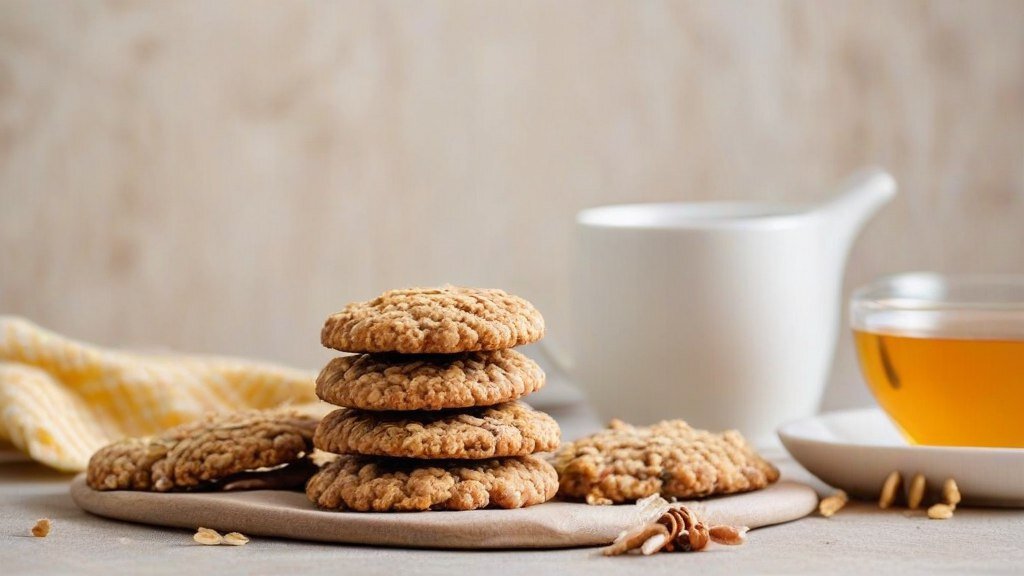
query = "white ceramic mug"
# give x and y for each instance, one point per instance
(723, 314)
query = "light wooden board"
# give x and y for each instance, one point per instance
(551, 525)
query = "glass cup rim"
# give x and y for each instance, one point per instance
(935, 291)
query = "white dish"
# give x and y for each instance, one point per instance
(856, 449)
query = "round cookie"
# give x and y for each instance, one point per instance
(512, 429)
(624, 463)
(430, 382)
(208, 450)
(434, 321)
(396, 485)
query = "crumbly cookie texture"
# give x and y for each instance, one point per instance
(625, 463)
(434, 321)
(395, 485)
(208, 450)
(428, 382)
(126, 465)
(511, 429)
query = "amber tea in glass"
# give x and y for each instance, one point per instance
(944, 356)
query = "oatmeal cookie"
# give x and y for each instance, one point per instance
(428, 382)
(434, 321)
(512, 429)
(398, 485)
(213, 449)
(624, 463)
(126, 465)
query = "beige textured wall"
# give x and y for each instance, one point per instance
(218, 176)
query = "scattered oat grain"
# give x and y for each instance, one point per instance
(940, 512)
(235, 539)
(208, 537)
(890, 488)
(832, 504)
(950, 492)
(916, 492)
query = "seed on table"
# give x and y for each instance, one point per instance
(889, 490)
(208, 537)
(916, 493)
(728, 535)
(940, 512)
(950, 492)
(832, 504)
(235, 539)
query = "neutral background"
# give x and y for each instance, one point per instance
(219, 176)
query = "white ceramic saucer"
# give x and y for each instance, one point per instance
(856, 449)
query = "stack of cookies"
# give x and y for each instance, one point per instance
(430, 417)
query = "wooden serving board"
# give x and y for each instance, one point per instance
(551, 525)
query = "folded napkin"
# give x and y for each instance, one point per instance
(61, 400)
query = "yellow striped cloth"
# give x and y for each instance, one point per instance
(61, 400)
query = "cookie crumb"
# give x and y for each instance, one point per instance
(42, 528)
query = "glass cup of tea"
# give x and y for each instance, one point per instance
(944, 356)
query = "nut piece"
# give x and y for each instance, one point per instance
(950, 493)
(698, 536)
(940, 512)
(890, 489)
(42, 528)
(672, 522)
(677, 530)
(635, 539)
(208, 537)
(728, 535)
(916, 493)
(654, 543)
(235, 539)
(832, 504)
